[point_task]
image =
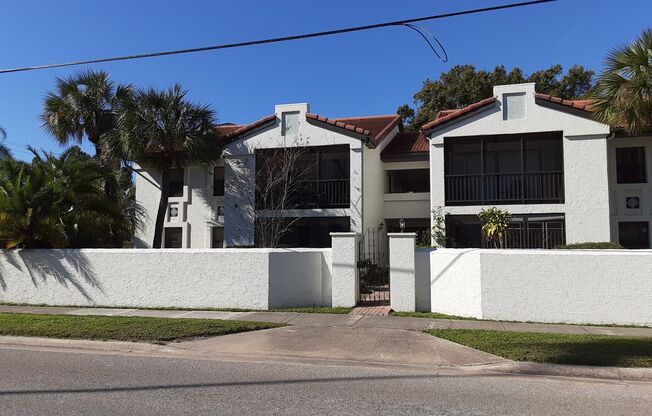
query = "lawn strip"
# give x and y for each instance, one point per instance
(599, 350)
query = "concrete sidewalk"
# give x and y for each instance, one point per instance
(341, 320)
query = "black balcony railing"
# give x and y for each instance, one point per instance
(505, 188)
(325, 193)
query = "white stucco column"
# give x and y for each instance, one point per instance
(345, 285)
(402, 276)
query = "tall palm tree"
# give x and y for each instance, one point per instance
(624, 89)
(82, 107)
(163, 130)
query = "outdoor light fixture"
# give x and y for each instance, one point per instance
(401, 224)
(381, 226)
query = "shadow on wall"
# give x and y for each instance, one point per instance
(65, 267)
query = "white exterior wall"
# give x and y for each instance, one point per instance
(586, 183)
(234, 278)
(373, 185)
(569, 286)
(619, 192)
(402, 281)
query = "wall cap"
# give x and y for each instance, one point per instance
(402, 235)
(344, 234)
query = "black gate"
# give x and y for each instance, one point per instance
(373, 267)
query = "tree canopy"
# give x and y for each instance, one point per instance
(463, 85)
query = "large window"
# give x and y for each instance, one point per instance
(313, 231)
(525, 231)
(173, 237)
(304, 177)
(630, 165)
(408, 180)
(506, 169)
(635, 234)
(218, 181)
(175, 182)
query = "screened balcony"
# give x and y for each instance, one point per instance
(507, 169)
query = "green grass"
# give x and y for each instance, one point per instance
(120, 328)
(434, 315)
(599, 350)
(305, 309)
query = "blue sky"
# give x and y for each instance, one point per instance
(364, 73)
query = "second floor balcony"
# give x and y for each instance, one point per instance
(507, 169)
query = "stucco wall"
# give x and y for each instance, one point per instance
(586, 184)
(222, 278)
(571, 286)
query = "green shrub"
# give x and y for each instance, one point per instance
(591, 245)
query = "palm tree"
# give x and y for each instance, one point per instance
(83, 106)
(163, 130)
(56, 202)
(4, 150)
(624, 90)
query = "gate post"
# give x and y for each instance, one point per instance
(402, 276)
(345, 285)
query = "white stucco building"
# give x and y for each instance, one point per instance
(565, 177)
(365, 173)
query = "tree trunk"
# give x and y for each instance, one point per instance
(162, 210)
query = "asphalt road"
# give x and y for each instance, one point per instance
(71, 383)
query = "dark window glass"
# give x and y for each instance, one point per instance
(175, 182)
(504, 169)
(630, 165)
(313, 232)
(525, 231)
(634, 234)
(218, 237)
(218, 181)
(409, 180)
(173, 237)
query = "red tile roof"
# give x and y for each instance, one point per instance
(230, 131)
(585, 105)
(374, 127)
(446, 116)
(407, 142)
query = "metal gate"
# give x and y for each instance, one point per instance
(373, 267)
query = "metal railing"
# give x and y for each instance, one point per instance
(517, 188)
(325, 193)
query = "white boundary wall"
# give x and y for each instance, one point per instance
(222, 278)
(571, 286)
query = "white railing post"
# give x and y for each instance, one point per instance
(402, 275)
(345, 285)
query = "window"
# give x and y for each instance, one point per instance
(409, 180)
(504, 169)
(630, 165)
(525, 231)
(290, 125)
(634, 234)
(175, 182)
(218, 237)
(173, 237)
(218, 181)
(514, 106)
(311, 231)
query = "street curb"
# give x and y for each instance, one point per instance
(577, 371)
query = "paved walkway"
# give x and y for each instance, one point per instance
(341, 320)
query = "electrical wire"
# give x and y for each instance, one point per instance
(281, 39)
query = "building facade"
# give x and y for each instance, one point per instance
(563, 176)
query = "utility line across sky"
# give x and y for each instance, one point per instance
(278, 39)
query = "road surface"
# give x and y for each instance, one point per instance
(42, 382)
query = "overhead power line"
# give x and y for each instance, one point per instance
(279, 39)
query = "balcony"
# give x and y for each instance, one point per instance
(505, 188)
(325, 193)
